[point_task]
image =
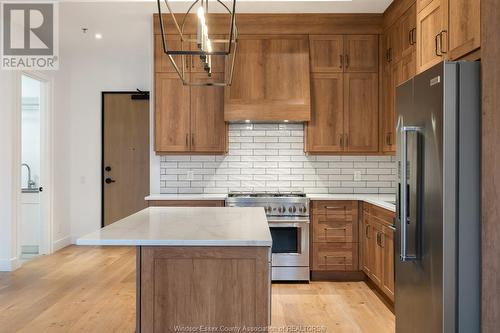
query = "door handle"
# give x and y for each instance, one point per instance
(346, 61)
(367, 228)
(192, 139)
(404, 192)
(109, 180)
(341, 61)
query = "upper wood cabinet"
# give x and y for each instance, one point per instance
(271, 79)
(387, 112)
(162, 62)
(188, 119)
(348, 53)
(464, 27)
(361, 112)
(361, 53)
(208, 128)
(408, 31)
(327, 53)
(344, 94)
(344, 114)
(172, 114)
(432, 35)
(325, 131)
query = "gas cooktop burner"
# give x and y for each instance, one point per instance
(266, 194)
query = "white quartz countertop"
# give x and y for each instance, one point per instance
(385, 201)
(152, 197)
(382, 200)
(181, 226)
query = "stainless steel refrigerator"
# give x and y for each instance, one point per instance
(437, 255)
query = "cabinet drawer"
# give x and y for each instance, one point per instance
(335, 209)
(335, 256)
(331, 230)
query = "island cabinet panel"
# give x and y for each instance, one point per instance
(334, 236)
(271, 79)
(186, 203)
(204, 286)
(377, 247)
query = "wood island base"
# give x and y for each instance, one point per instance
(211, 288)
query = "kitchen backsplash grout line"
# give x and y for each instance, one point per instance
(270, 157)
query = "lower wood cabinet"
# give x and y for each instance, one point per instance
(334, 237)
(377, 258)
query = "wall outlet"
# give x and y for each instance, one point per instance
(357, 176)
(190, 175)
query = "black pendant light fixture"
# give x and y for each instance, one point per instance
(206, 47)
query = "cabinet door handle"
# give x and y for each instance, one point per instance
(346, 61)
(441, 41)
(367, 228)
(341, 61)
(437, 48)
(414, 36)
(410, 37)
(342, 140)
(192, 139)
(187, 140)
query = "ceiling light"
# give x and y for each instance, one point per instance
(98, 36)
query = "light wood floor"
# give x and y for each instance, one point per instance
(92, 289)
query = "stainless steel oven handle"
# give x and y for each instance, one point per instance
(403, 204)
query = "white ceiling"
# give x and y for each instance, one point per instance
(279, 6)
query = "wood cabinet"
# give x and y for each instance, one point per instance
(338, 53)
(188, 119)
(464, 27)
(193, 286)
(271, 79)
(408, 31)
(325, 131)
(377, 257)
(172, 114)
(344, 95)
(334, 236)
(388, 110)
(432, 34)
(360, 112)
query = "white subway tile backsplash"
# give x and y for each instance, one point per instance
(270, 157)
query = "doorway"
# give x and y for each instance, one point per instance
(34, 223)
(125, 154)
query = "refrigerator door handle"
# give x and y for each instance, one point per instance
(404, 209)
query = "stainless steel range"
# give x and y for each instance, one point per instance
(288, 217)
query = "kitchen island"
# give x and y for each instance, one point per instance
(197, 268)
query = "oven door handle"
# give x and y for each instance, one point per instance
(287, 224)
(294, 221)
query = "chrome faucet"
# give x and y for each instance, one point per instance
(31, 182)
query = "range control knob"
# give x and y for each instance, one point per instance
(302, 210)
(292, 209)
(268, 209)
(282, 209)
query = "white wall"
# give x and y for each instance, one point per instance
(121, 60)
(7, 173)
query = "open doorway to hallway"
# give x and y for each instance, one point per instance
(33, 226)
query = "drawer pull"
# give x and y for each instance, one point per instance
(344, 261)
(335, 208)
(339, 228)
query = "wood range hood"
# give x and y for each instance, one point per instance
(271, 80)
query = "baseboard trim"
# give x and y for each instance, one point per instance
(9, 265)
(337, 276)
(61, 243)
